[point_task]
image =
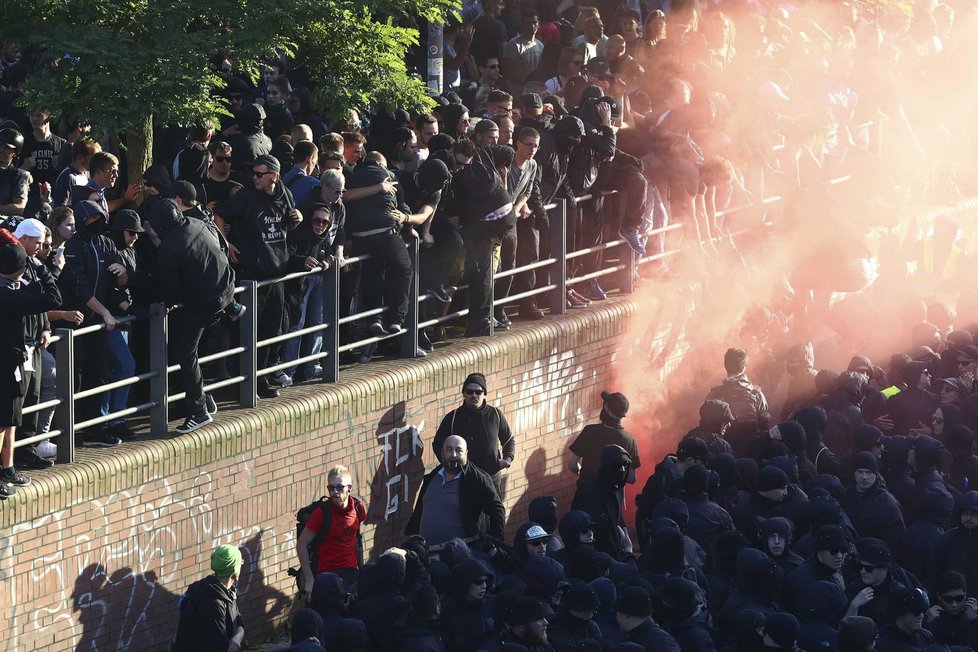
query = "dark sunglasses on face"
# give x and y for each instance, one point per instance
(338, 487)
(222, 159)
(538, 542)
(481, 581)
(320, 220)
(866, 568)
(954, 599)
(474, 392)
(837, 551)
(259, 175)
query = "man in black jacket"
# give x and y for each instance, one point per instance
(209, 616)
(259, 217)
(485, 430)
(456, 481)
(194, 271)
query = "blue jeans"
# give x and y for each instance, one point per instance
(310, 314)
(119, 364)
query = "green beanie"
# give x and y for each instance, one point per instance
(226, 561)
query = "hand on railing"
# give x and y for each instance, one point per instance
(233, 253)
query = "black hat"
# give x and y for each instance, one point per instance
(127, 219)
(770, 478)
(599, 67)
(531, 101)
(873, 552)
(634, 601)
(856, 633)
(956, 384)
(783, 629)
(13, 258)
(865, 460)
(905, 599)
(580, 597)
(616, 403)
(268, 161)
(696, 479)
(476, 378)
(525, 610)
(830, 537)
(616, 110)
(692, 447)
(968, 354)
(186, 191)
(87, 209)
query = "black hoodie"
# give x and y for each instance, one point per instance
(88, 255)
(467, 624)
(250, 142)
(209, 617)
(602, 500)
(193, 270)
(259, 223)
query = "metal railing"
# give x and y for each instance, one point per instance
(66, 424)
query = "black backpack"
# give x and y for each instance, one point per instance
(302, 518)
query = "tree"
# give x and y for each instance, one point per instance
(122, 65)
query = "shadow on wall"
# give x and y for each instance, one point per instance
(536, 478)
(129, 611)
(396, 481)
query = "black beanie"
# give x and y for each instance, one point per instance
(856, 633)
(13, 258)
(476, 378)
(696, 479)
(770, 478)
(783, 629)
(865, 460)
(830, 537)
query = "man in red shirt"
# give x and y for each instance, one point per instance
(336, 550)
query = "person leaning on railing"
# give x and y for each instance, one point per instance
(194, 272)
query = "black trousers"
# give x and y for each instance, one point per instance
(386, 277)
(32, 396)
(272, 320)
(481, 239)
(187, 328)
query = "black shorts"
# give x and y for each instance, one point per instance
(12, 394)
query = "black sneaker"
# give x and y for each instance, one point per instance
(7, 490)
(280, 379)
(266, 391)
(235, 311)
(377, 329)
(367, 354)
(443, 293)
(27, 457)
(424, 342)
(192, 423)
(503, 319)
(14, 477)
(123, 432)
(211, 404)
(102, 437)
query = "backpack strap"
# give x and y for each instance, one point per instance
(323, 505)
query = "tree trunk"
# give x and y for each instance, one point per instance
(139, 149)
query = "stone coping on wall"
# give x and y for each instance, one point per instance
(364, 388)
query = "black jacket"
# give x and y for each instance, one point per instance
(486, 432)
(88, 255)
(602, 500)
(251, 142)
(208, 617)
(875, 513)
(259, 223)
(652, 638)
(482, 511)
(421, 636)
(192, 268)
(467, 624)
(21, 314)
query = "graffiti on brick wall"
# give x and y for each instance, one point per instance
(118, 565)
(544, 393)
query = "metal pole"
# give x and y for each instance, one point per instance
(331, 315)
(558, 250)
(64, 414)
(409, 341)
(248, 392)
(436, 53)
(159, 387)
(626, 282)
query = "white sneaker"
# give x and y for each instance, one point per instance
(47, 449)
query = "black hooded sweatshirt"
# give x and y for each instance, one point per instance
(602, 500)
(486, 432)
(88, 255)
(875, 513)
(259, 223)
(250, 143)
(912, 407)
(209, 617)
(193, 270)
(467, 624)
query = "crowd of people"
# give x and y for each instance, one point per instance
(848, 524)
(675, 108)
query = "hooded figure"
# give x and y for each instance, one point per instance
(250, 142)
(715, 419)
(680, 610)
(379, 603)
(775, 538)
(873, 510)
(759, 582)
(960, 442)
(958, 548)
(574, 528)
(912, 407)
(668, 559)
(571, 624)
(819, 619)
(842, 409)
(721, 575)
(543, 510)
(725, 492)
(602, 500)
(814, 421)
(544, 579)
(919, 543)
(553, 157)
(466, 611)
(896, 468)
(707, 520)
(800, 366)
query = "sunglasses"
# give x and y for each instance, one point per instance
(320, 220)
(837, 551)
(46, 245)
(338, 487)
(867, 568)
(236, 98)
(937, 422)
(259, 175)
(222, 159)
(538, 542)
(954, 599)
(482, 581)
(474, 392)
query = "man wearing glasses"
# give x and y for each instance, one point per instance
(490, 443)
(337, 549)
(219, 185)
(259, 218)
(103, 172)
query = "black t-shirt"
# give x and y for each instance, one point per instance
(489, 32)
(258, 224)
(593, 439)
(46, 154)
(219, 191)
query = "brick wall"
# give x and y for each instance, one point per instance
(96, 554)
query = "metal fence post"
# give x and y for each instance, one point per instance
(626, 282)
(558, 250)
(159, 387)
(248, 391)
(64, 414)
(331, 316)
(409, 341)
